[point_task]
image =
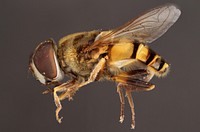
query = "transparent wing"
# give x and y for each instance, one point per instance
(149, 26)
(146, 28)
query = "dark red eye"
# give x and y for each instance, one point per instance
(44, 60)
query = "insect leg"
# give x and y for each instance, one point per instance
(60, 88)
(130, 100)
(122, 103)
(69, 93)
(132, 81)
(92, 78)
(137, 80)
(71, 87)
(132, 88)
(96, 70)
(57, 103)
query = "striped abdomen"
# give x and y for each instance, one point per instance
(150, 58)
(142, 53)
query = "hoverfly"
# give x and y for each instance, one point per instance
(120, 55)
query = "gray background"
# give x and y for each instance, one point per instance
(172, 107)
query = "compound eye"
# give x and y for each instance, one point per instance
(44, 63)
(44, 60)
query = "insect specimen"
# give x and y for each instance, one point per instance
(120, 55)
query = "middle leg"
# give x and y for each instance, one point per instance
(71, 91)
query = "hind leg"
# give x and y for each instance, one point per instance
(122, 102)
(131, 82)
(129, 89)
(130, 100)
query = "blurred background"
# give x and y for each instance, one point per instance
(172, 106)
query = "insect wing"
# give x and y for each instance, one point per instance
(146, 28)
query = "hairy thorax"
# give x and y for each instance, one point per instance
(71, 56)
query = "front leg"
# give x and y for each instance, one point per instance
(70, 88)
(61, 88)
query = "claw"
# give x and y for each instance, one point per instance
(132, 126)
(70, 98)
(59, 119)
(121, 119)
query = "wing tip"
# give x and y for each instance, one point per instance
(175, 8)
